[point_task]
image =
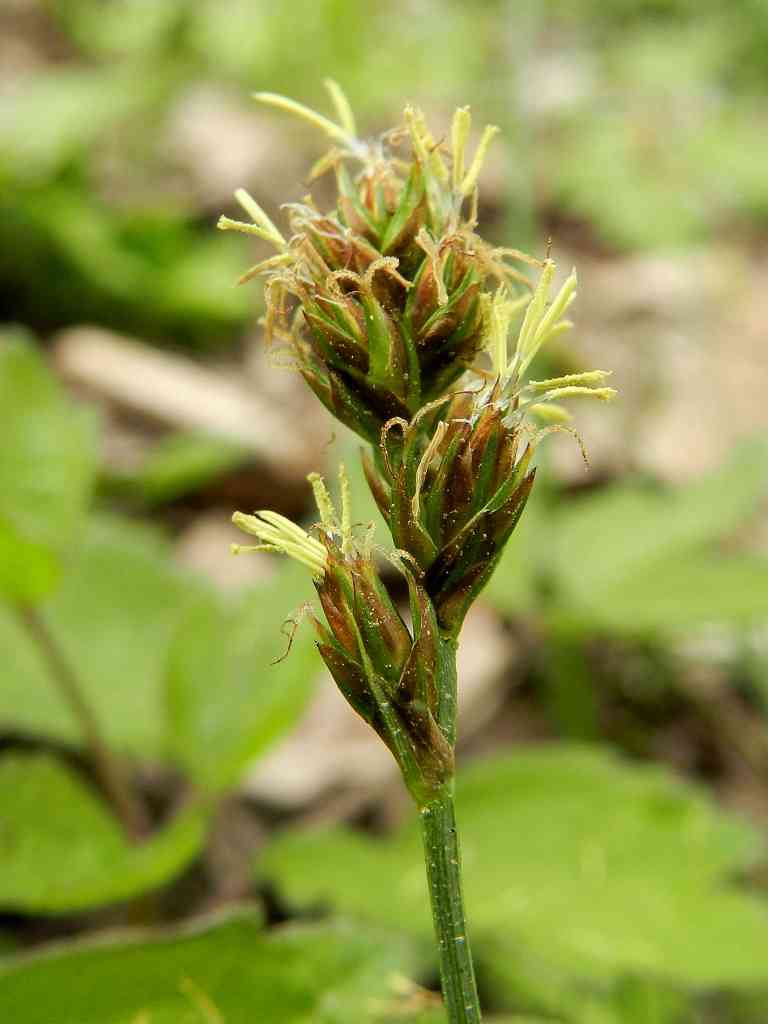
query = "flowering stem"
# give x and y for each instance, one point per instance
(117, 788)
(443, 863)
(441, 852)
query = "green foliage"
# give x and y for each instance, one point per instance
(296, 45)
(182, 463)
(579, 869)
(47, 465)
(72, 249)
(96, 261)
(62, 850)
(126, 28)
(228, 970)
(74, 106)
(679, 99)
(638, 560)
(120, 585)
(169, 675)
(228, 700)
(651, 102)
(657, 138)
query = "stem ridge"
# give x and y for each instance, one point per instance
(443, 863)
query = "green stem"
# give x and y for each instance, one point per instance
(441, 852)
(443, 861)
(125, 802)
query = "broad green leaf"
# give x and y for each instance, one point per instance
(228, 699)
(603, 540)
(227, 970)
(61, 849)
(577, 864)
(47, 465)
(684, 593)
(113, 617)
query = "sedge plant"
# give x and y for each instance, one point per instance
(419, 336)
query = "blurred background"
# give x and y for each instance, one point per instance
(614, 678)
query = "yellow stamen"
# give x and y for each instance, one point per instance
(323, 501)
(590, 378)
(332, 130)
(462, 121)
(346, 509)
(280, 535)
(470, 178)
(342, 106)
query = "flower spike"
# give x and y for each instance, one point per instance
(385, 301)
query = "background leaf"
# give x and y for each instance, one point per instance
(113, 616)
(638, 559)
(321, 974)
(228, 700)
(578, 867)
(182, 462)
(602, 540)
(75, 105)
(61, 849)
(682, 593)
(47, 466)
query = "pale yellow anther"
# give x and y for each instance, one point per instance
(332, 130)
(603, 394)
(571, 391)
(542, 323)
(499, 313)
(342, 106)
(273, 236)
(559, 306)
(550, 412)
(280, 535)
(533, 315)
(262, 226)
(470, 178)
(346, 510)
(323, 501)
(590, 378)
(498, 327)
(462, 122)
(413, 121)
(424, 144)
